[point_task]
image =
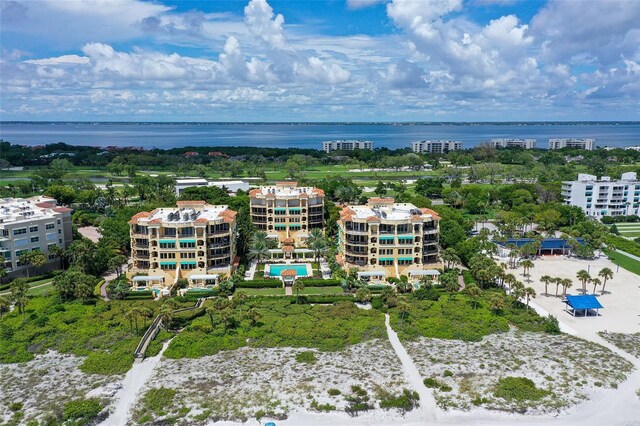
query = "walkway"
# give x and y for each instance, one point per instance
(428, 406)
(133, 382)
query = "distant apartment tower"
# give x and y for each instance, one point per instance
(604, 197)
(194, 240)
(513, 143)
(435, 146)
(393, 238)
(31, 224)
(576, 143)
(287, 211)
(346, 145)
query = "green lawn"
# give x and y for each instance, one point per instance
(45, 289)
(264, 291)
(623, 261)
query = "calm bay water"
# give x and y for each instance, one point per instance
(290, 135)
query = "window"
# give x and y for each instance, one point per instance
(190, 255)
(20, 231)
(167, 255)
(50, 226)
(33, 228)
(167, 245)
(184, 244)
(35, 239)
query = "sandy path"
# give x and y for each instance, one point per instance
(428, 406)
(131, 385)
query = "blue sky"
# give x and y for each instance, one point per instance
(306, 60)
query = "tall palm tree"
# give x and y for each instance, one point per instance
(60, 253)
(298, 286)
(557, 281)
(317, 243)
(566, 284)
(596, 282)
(166, 315)
(510, 279)
(259, 249)
(4, 304)
(605, 274)
(19, 289)
(583, 276)
(546, 280)
(403, 309)
(474, 292)
(529, 293)
(211, 311)
(526, 266)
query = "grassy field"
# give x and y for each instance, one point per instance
(45, 289)
(322, 290)
(623, 261)
(629, 229)
(264, 291)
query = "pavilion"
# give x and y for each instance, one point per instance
(547, 246)
(584, 304)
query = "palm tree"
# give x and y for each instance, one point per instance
(19, 289)
(227, 317)
(529, 293)
(557, 282)
(25, 259)
(566, 284)
(474, 292)
(317, 242)
(605, 274)
(298, 286)
(166, 315)
(583, 276)
(450, 257)
(518, 290)
(496, 303)
(546, 280)
(259, 248)
(513, 253)
(131, 316)
(239, 298)
(60, 253)
(4, 304)
(596, 282)
(526, 266)
(211, 311)
(510, 279)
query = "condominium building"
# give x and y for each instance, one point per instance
(604, 197)
(346, 145)
(388, 238)
(435, 146)
(194, 240)
(31, 224)
(287, 211)
(513, 143)
(576, 143)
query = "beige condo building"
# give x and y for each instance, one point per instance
(194, 240)
(384, 238)
(287, 212)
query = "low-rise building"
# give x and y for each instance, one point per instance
(513, 143)
(31, 224)
(604, 197)
(194, 240)
(385, 238)
(435, 146)
(286, 211)
(576, 143)
(231, 185)
(346, 145)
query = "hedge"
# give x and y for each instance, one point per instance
(97, 290)
(314, 282)
(259, 284)
(136, 295)
(195, 295)
(323, 298)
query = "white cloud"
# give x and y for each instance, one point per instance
(64, 59)
(359, 4)
(263, 23)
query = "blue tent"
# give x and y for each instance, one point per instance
(551, 245)
(585, 303)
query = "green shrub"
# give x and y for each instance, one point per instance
(358, 390)
(313, 282)
(430, 382)
(551, 325)
(306, 357)
(445, 388)
(334, 392)
(447, 373)
(377, 303)
(16, 406)
(518, 389)
(266, 283)
(322, 407)
(157, 400)
(81, 411)
(322, 298)
(405, 402)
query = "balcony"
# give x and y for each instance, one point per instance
(354, 232)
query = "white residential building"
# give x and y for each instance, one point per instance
(30, 224)
(346, 145)
(513, 143)
(435, 146)
(576, 143)
(231, 185)
(604, 197)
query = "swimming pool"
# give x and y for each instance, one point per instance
(302, 269)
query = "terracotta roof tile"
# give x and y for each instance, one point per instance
(431, 212)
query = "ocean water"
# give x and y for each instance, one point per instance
(306, 135)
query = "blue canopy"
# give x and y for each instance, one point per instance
(586, 301)
(547, 243)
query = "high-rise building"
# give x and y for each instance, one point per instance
(287, 211)
(194, 240)
(31, 224)
(513, 143)
(388, 238)
(576, 143)
(346, 145)
(435, 146)
(604, 197)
